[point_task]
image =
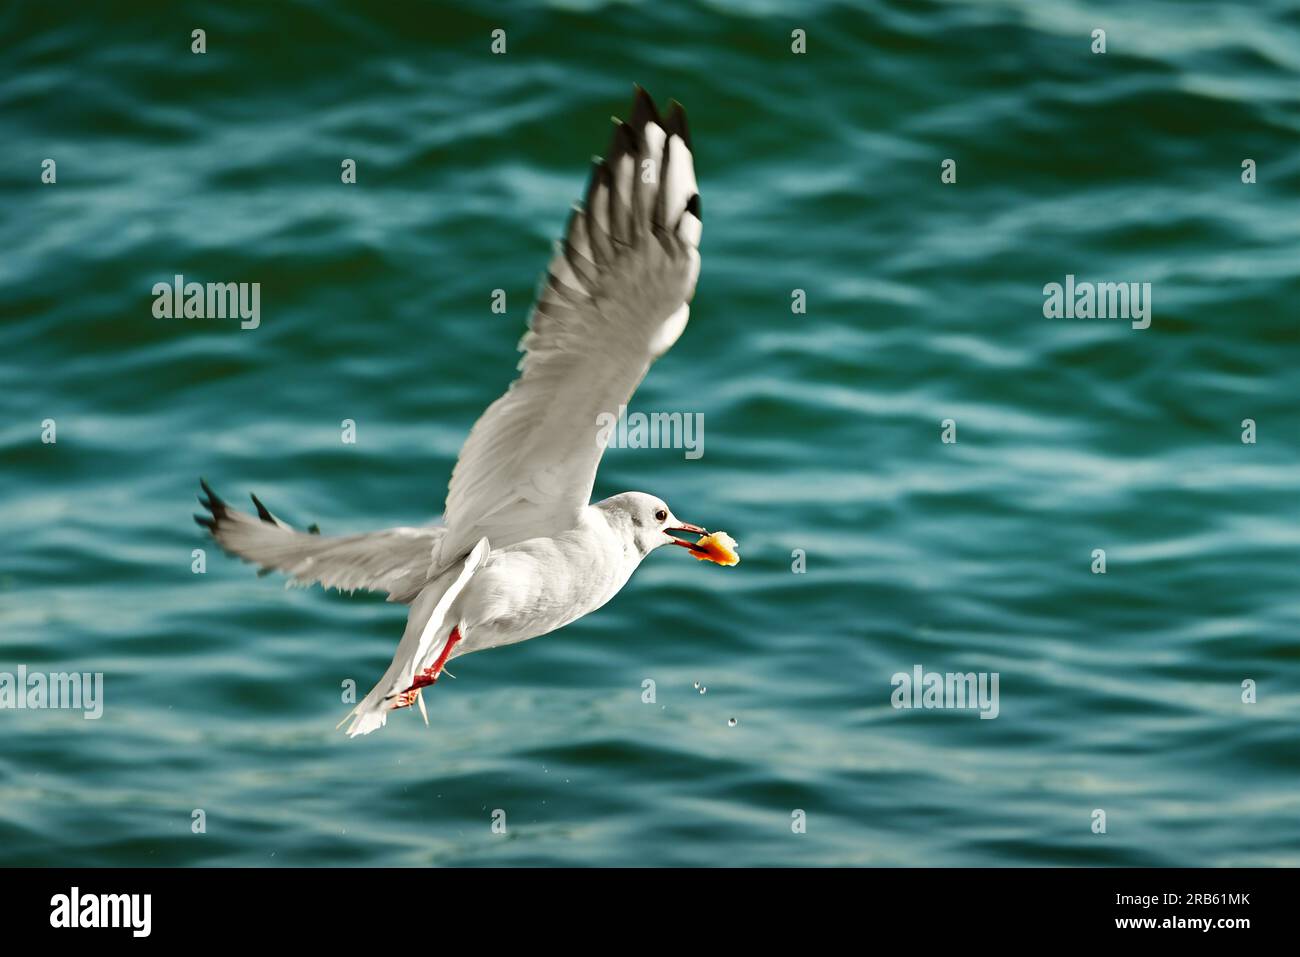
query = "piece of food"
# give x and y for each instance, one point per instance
(716, 547)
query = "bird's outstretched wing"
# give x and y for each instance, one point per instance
(395, 560)
(614, 299)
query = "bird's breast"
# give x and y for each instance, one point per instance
(537, 586)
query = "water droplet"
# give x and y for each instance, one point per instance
(731, 722)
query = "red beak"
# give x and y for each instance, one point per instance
(690, 529)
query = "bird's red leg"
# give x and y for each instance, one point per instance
(436, 671)
(429, 675)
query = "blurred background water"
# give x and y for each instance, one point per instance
(819, 172)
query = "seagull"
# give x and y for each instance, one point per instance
(521, 550)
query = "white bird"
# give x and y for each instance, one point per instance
(521, 552)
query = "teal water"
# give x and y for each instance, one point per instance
(820, 172)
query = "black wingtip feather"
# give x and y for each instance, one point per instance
(623, 142)
(262, 512)
(643, 110)
(676, 123)
(693, 207)
(214, 504)
(211, 494)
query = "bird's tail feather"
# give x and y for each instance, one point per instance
(428, 627)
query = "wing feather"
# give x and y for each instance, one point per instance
(395, 560)
(614, 299)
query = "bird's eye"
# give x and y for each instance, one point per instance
(661, 516)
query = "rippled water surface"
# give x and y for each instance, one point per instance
(819, 172)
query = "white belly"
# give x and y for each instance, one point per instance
(539, 585)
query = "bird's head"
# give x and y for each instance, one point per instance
(647, 521)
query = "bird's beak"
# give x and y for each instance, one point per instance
(687, 528)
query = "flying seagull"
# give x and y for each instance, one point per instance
(521, 551)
